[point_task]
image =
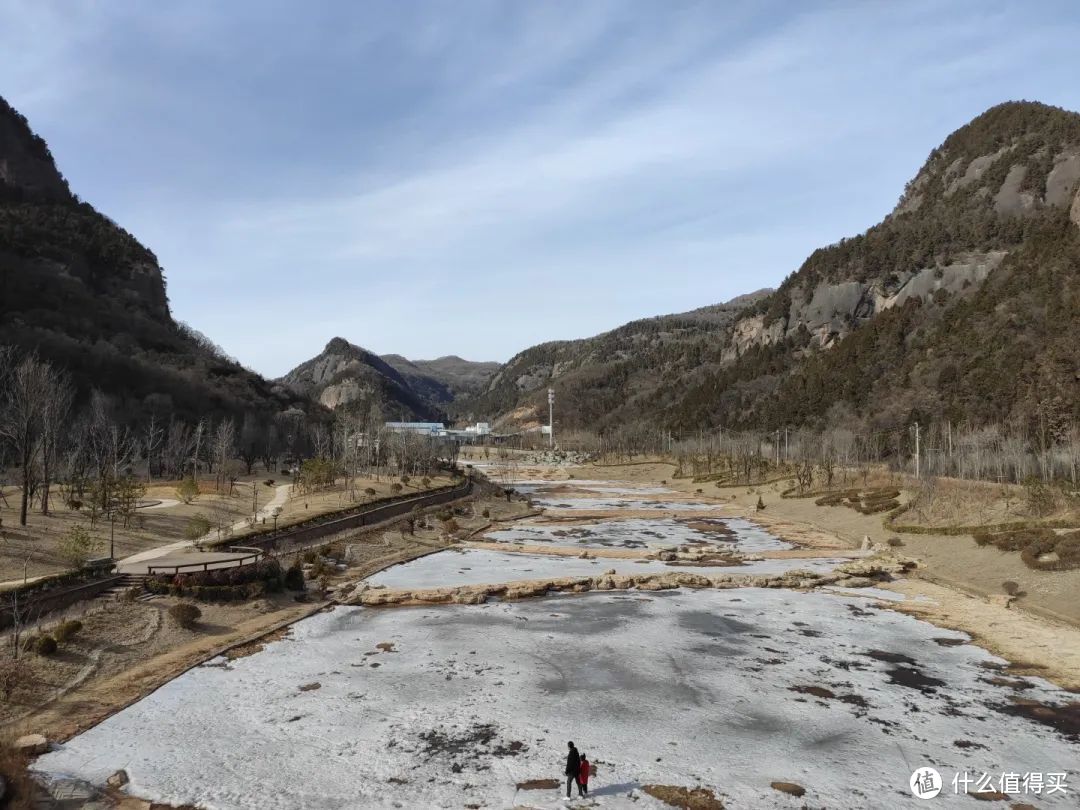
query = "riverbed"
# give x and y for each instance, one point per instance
(454, 706)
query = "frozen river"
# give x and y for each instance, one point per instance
(457, 706)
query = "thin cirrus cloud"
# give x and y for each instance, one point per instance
(475, 178)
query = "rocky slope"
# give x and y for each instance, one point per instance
(84, 293)
(961, 303)
(600, 376)
(343, 374)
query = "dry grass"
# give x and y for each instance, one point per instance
(37, 544)
(954, 502)
(685, 798)
(301, 506)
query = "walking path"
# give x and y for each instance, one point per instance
(137, 563)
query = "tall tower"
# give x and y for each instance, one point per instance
(551, 419)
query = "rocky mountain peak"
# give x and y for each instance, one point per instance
(26, 164)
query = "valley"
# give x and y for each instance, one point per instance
(857, 678)
(589, 390)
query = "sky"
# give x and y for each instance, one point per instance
(472, 178)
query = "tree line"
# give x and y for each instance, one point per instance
(91, 453)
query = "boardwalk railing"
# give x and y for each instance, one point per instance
(254, 556)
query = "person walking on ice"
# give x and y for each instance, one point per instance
(573, 767)
(583, 776)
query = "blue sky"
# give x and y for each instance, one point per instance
(475, 177)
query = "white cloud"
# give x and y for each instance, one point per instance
(380, 171)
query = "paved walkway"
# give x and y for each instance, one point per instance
(136, 563)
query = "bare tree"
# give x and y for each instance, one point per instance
(152, 440)
(222, 447)
(24, 387)
(178, 448)
(55, 410)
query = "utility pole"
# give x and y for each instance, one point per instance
(786, 455)
(777, 448)
(254, 499)
(551, 418)
(917, 450)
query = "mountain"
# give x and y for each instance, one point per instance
(83, 293)
(962, 304)
(599, 379)
(445, 379)
(343, 374)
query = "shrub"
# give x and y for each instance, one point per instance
(269, 482)
(395, 488)
(760, 503)
(450, 526)
(1065, 547)
(78, 546)
(185, 614)
(129, 595)
(294, 577)
(45, 645)
(188, 490)
(1040, 498)
(14, 672)
(197, 526)
(405, 480)
(1010, 587)
(895, 542)
(486, 513)
(65, 631)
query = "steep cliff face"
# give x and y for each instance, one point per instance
(344, 374)
(85, 294)
(976, 198)
(26, 165)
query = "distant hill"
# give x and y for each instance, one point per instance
(599, 379)
(445, 379)
(83, 293)
(963, 304)
(343, 374)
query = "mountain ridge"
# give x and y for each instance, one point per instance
(86, 295)
(981, 206)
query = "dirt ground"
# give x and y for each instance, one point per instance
(126, 650)
(33, 549)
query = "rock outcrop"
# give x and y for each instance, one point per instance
(855, 574)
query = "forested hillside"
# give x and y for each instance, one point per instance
(962, 305)
(84, 294)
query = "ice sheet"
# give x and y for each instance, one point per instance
(696, 688)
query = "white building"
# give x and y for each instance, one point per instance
(423, 428)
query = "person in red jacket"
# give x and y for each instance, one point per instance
(583, 776)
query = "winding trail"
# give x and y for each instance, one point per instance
(136, 563)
